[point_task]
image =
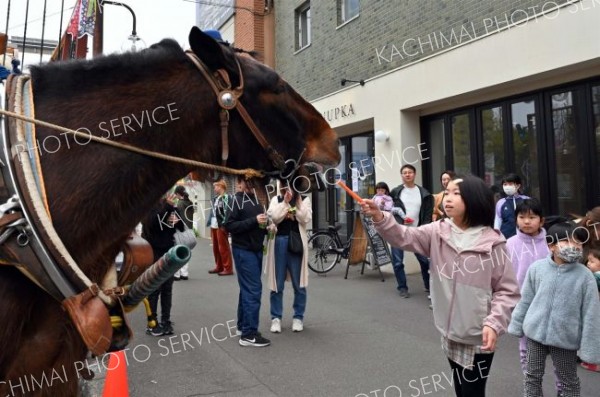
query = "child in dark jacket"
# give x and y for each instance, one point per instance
(559, 312)
(159, 228)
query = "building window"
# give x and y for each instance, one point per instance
(347, 10)
(303, 34)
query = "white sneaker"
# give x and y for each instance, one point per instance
(276, 325)
(297, 325)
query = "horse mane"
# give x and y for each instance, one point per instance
(83, 74)
(252, 53)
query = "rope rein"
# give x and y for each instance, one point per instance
(246, 172)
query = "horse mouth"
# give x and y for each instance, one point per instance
(310, 177)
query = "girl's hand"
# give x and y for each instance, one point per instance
(369, 208)
(287, 197)
(489, 338)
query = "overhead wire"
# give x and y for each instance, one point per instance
(25, 34)
(62, 13)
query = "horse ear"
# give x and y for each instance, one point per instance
(207, 49)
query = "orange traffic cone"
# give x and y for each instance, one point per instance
(115, 384)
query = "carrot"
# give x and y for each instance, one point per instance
(350, 192)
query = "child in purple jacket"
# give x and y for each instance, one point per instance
(382, 197)
(526, 247)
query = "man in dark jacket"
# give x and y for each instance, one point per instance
(247, 223)
(417, 203)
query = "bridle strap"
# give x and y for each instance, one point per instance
(221, 85)
(224, 116)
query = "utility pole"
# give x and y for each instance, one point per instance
(98, 43)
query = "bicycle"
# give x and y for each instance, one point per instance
(325, 249)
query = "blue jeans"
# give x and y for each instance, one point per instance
(248, 266)
(286, 261)
(398, 264)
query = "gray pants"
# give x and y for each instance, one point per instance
(565, 363)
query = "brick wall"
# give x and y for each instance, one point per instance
(249, 26)
(386, 35)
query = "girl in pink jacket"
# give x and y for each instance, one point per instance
(473, 285)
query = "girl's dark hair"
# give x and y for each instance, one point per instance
(450, 173)
(566, 231)
(383, 185)
(479, 201)
(514, 178)
(530, 205)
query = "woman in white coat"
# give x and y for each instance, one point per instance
(290, 213)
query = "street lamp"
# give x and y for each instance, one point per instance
(133, 42)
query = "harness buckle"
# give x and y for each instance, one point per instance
(11, 204)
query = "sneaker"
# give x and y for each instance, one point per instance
(276, 325)
(297, 325)
(404, 293)
(156, 331)
(185, 278)
(176, 278)
(238, 332)
(167, 327)
(255, 340)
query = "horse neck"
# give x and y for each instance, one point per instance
(97, 194)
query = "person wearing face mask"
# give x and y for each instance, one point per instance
(506, 219)
(559, 312)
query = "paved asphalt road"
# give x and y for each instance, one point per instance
(360, 339)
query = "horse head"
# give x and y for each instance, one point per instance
(291, 126)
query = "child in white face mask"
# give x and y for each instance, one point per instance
(505, 219)
(559, 312)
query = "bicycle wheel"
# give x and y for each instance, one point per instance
(323, 252)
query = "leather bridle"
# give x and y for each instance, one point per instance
(228, 99)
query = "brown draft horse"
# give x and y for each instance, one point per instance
(97, 193)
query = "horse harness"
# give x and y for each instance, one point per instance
(27, 237)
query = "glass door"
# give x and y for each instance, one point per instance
(357, 171)
(525, 145)
(461, 143)
(569, 173)
(494, 166)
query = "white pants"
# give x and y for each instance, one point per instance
(183, 272)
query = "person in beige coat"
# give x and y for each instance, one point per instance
(290, 213)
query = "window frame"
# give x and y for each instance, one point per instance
(343, 19)
(302, 14)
